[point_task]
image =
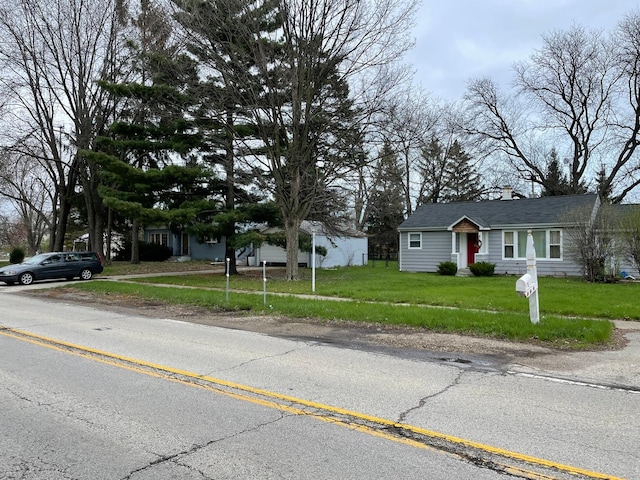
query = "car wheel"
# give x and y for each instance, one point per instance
(86, 274)
(26, 278)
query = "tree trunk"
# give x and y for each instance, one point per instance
(292, 234)
(230, 198)
(109, 242)
(135, 244)
(57, 242)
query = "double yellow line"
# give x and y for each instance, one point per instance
(501, 460)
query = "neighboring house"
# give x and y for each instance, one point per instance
(494, 231)
(183, 245)
(348, 248)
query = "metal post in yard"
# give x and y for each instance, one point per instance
(264, 282)
(313, 260)
(228, 263)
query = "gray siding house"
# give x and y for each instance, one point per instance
(493, 231)
(185, 246)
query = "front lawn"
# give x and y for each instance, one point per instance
(561, 332)
(558, 296)
(482, 306)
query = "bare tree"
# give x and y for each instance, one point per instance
(12, 233)
(53, 54)
(409, 121)
(625, 170)
(590, 240)
(580, 91)
(630, 234)
(26, 187)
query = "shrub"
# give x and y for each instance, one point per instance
(447, 268)
(149, 252)
(16, 255)
(482, 269)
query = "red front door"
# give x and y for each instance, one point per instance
(472, 247)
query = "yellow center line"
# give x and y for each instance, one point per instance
(273, 399)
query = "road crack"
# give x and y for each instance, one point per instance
(423, 401)
(178, 458)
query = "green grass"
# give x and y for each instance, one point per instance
(562, 332)
(562, 297)
(574, 313)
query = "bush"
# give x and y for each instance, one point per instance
(482, 269)
(16, 255)
(149, 252)
(447, 268)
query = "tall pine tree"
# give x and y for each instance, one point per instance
(386, 205)
(141, 179)
(462, 181)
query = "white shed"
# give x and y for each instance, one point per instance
(345, 249)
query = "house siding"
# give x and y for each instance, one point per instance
(206, 251)
(436, 248)
(564, 267)
(272, 254)
(342, 251)
(197, 251)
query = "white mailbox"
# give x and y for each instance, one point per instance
(526, 285)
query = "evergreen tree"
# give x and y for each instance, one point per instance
(462, 181)
(604, 188)
(555, 182)
(140, 177)
(432, 169)
(386, 205)
(223, 111)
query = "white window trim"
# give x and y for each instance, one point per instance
(560, 244)
(158, 238)
(547, 256)
(409, 247)
(484, 239)
(513, 245)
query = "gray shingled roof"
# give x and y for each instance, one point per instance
(497, 213)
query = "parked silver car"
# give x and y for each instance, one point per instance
(69, 265)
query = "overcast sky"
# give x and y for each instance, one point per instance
(461, 39)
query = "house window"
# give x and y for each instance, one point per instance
(539, 242)
(415, 240)
(508, 244)
(160, 239)
(548, 244)
(554, 244)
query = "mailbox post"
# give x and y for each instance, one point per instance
(527, 285)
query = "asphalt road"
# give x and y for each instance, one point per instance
(89, 393)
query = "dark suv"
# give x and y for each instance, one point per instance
(69, 265)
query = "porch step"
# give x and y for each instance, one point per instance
(463, 272)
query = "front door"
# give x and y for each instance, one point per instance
(185, 245)
(472, 247)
